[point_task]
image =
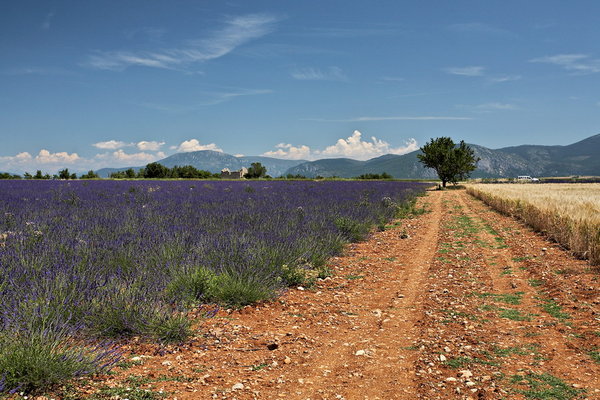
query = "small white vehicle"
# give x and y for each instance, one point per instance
(527, 178)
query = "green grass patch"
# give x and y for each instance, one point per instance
(515, 350)
(463, 361)
(131, 393)
(595, 355)
(508, 298)
(521, 259)
(354, 277)
(554, 309)
(514, 315)
(535, 282)
(545, 387)
(258, 367)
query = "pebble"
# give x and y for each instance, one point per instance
(238, 386)
(360, 353)
(451, 379)
(465, 373)
(287, 360)
(166, 363)
(136, 359)
(442, 358)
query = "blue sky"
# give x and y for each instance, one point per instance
(86, 84)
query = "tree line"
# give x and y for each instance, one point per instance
(451, 162)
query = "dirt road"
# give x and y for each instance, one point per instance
(457, 303)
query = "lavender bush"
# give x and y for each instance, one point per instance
(86, 261)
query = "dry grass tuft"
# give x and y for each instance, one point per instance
(568, 213)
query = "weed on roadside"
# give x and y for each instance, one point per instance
(514, 315)
(545, 386)
(554, 309)
(463, 361)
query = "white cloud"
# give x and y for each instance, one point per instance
(194, 145)
(121, 156)
(316, 74)
(20, 158)
(577, 63)
(149, 146)
(290, 152)
(352, 147)
(355, 147)
(111, 145)
(466, 71)
(45, 157)
(236, 32)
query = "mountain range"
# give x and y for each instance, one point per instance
(581, 158)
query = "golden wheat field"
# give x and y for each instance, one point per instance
(568, 213)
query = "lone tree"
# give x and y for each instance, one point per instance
(451, 162)
(257, 170)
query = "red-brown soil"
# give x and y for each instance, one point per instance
(457, 303)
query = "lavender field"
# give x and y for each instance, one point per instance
(86, 262)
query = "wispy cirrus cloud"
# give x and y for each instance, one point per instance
(317, 74)
(210, 99)
(576, 63)
(236, 32)
(28, 70)
(480, 28)
(505, 78)
(352, 147)
(393, 118)
(489, 107)
(475, 70)
(48, 20)
(352, 32)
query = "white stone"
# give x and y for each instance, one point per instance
(465, 373)
(237, 386)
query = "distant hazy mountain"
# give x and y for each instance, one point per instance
(581, 158)
(215, 161)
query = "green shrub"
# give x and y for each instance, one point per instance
(38, 362)
(191, 286)
(351, 230)
(235, 290)
(171, 328)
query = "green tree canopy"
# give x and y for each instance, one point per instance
(65, 174)
(90, 175)
(257, 170)
(155, 170)
(451, 162)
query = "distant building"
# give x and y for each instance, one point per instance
(227, 174)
